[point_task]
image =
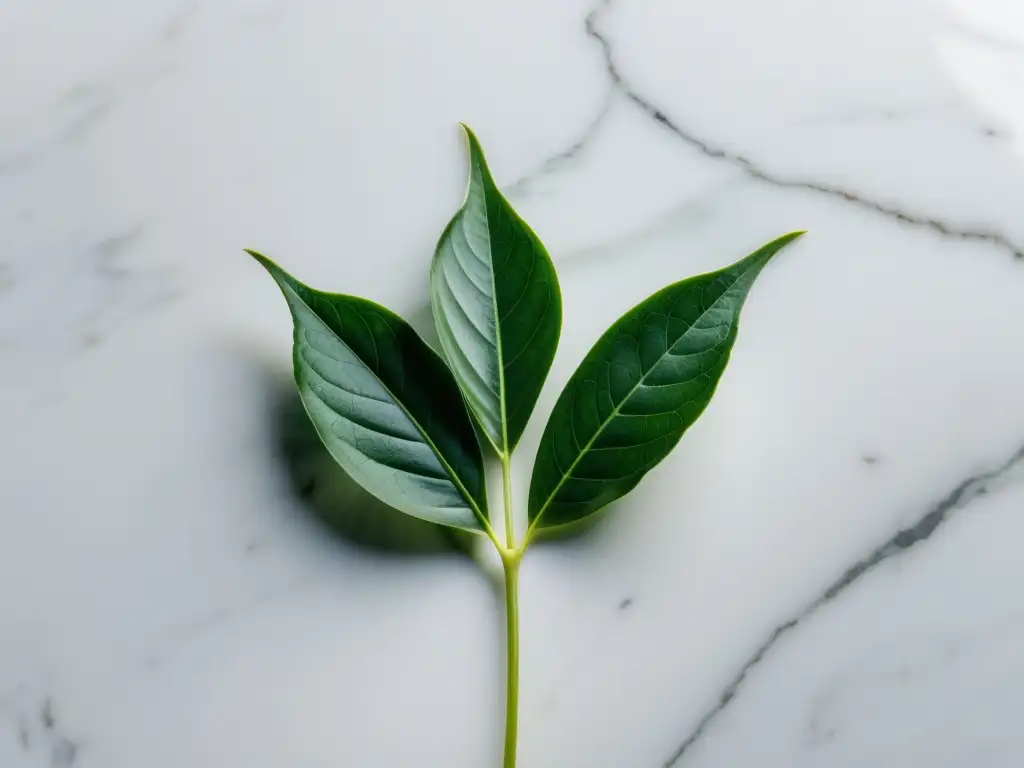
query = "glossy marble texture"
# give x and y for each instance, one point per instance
(825, 574)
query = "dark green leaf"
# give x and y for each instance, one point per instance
(385, 405)
(643, 384)
(497, 306)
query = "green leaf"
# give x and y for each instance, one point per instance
(648, 378)
(497, 307)
(385, 405)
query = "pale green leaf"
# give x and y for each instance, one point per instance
(497, 307)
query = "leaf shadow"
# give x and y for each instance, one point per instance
(341, 508)
(421, 318)
(335, 501)
(579, 531)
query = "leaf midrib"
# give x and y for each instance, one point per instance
(415, 422)
(615, 411)
(498, 343)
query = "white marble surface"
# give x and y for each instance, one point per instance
(826, 573)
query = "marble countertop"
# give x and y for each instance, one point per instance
(826, 573)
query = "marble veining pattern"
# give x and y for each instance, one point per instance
(824, 574)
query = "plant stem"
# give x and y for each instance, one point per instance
(510, 558)
(506, 484)
(512, 653)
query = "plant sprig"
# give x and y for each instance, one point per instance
(409, 425)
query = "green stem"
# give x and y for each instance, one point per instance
(506, 483)
(512, 652)
(510, 558)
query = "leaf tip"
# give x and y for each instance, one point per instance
(476, 152)
(266, 262)
(769, 250)
(270, 265)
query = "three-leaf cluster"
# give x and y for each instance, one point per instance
(409, 426)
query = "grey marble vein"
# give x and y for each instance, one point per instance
(24, 738)
(76, 114)
(17, 161)
(989, 39)
(109, 250)
(556, 161)
(956, 500)
(756, 171)
(179, 23)
(63, 751)
(88, 105)
(128, 290)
